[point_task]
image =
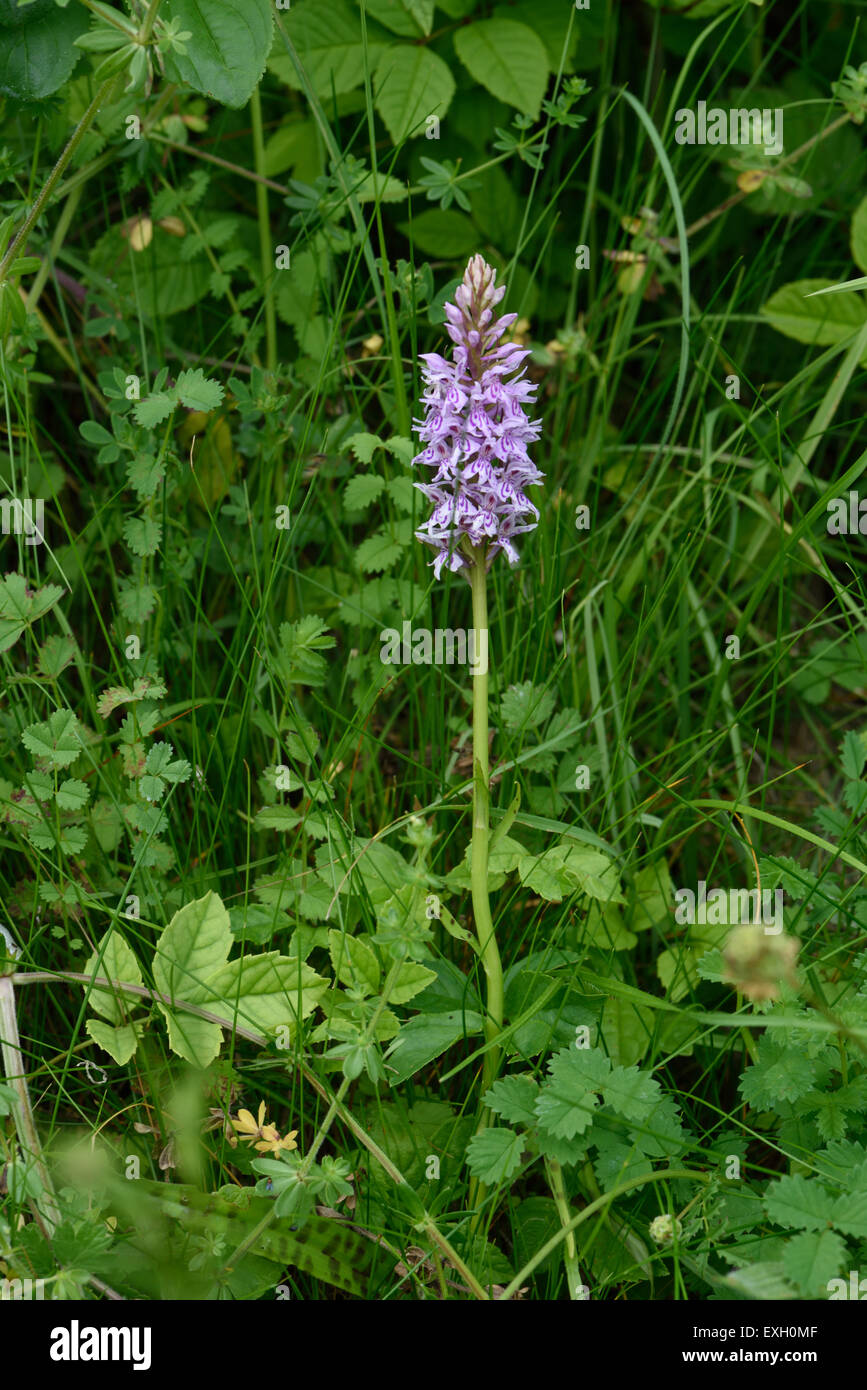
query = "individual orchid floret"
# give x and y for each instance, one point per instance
(476, 431)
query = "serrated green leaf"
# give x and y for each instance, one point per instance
(197, 391)
(301, 644)
(57, 741)
(781, 1073)
(494, 1156)
(143, 534)
(72, 795)
(526, 706)
(20, 606)
(812, 1258)
(378, 552)
(364, 445)
(568, 1099)
(632, 1093)
(799, 1202)
(361, 491)
(513, 1098)
(154, 409)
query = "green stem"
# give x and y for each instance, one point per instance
(570, 1249)
(490, 955)
(488, 951)
(266, 250)
(25, 1124)
(661, 1175)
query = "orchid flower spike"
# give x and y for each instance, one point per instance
(476, 431)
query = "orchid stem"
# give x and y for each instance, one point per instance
(481, 830)
(488, 950)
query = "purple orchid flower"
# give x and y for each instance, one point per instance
(476, 432)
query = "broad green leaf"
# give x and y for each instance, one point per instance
(328, 42)
(535, 1221)
(118, 963)
(37, 53)
(266, 991)
(650, 898)
(193, 947)
(495, 1155)
(677, 970)
(550, 20)
(321, 1247)
(627, 1029)
(354, 962)
(425, 1037)
(409, 18)
(411, 979)
(411, 83)
(823, 321)
(120, 1043)
(508, 59)
(226, 55)
(378, 187)
(442, 232)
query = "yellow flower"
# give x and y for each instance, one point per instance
(247, 1127)
(272, 1143)
(265, 1138)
